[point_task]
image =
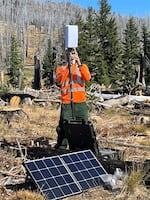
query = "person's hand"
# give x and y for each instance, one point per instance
(76, 58)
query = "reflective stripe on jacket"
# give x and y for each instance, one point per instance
(79, 76)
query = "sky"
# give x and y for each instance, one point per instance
(139, 8)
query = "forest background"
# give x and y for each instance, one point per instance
(113, 46)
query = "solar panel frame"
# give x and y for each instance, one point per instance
(65, 175)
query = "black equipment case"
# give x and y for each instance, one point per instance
(81, 135)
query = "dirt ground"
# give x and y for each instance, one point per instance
(115, 129)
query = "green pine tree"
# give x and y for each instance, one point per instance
(146, 50)
(109, 44)
(131, 55)
(88, 41)
(15, 63)
(146, 41)
(49, 65)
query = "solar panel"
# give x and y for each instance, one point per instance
(52, 178)
(68, 174)
(86, 168)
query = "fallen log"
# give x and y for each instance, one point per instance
(116, 102)
(131, 97)
(123, 143)
(139, 98)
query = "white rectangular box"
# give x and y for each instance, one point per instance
(71, 36)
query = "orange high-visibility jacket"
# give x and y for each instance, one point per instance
(79, 76)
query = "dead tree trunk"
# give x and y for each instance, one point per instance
(37, 74)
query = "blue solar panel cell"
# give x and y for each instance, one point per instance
(67, 190)
(56, 161)
(68, 178)
(60, 180)
(78, 176)
(43, 185)
(67, 159)
(54, 171)
(84, 185)
(37, 175)
(74, 158)
(58, 193)
(45, 173)
(94, 163)
(31, 166)
(51, 182)
(48, 162)
(100, 171)
(74, 188)
(73, 167)
(89, 154)
(87, 164)
(40, 164)
(86, 174)
(82, 156)
(93, 172)
(62, 170)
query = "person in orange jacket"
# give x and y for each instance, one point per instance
(71, 78)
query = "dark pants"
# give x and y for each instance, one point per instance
(79, 111)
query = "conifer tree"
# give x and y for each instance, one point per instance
(131, 55)
(146, 52)
(146, 41)
(16, 64)
(49, 65)
(88, 41)
(109, 44)
(81, 39)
